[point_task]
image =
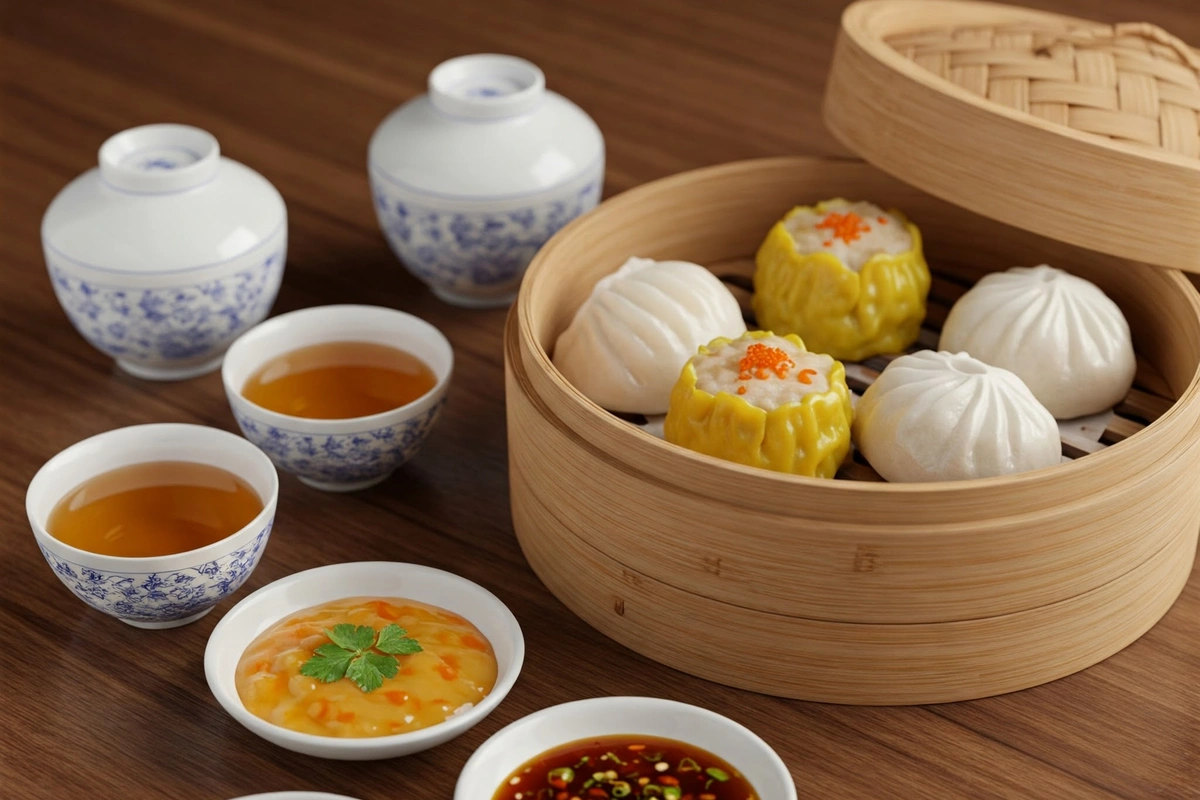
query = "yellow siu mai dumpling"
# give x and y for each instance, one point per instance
(847, 277)
(765, 401)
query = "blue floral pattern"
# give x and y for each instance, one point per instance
(161, 596)
(462, 252)
(341, 458)
(159, 327)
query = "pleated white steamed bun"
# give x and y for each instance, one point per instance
(630, 339)
(1062, 335)
(939, 416)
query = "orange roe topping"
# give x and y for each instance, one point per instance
(741, 390)
(804, 376)
(760, 359)
(883, 220)
(848, 227)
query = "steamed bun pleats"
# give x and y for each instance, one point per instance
(631, 337)
(764, 401)
(848, 277)
(1065, 338)
(940, 416)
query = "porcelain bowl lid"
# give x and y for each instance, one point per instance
(488, 129)
(162, 200)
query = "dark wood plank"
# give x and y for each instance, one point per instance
(294, 89)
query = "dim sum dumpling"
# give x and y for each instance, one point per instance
(764, 401)
(1062, 335)
(939, 416)
(631, 337)
(850, 279)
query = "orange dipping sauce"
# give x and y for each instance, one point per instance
(455, 669)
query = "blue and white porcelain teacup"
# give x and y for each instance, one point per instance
(154, 591)
(473, 177)
(339, 455)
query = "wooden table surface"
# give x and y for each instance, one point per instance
(294, 89)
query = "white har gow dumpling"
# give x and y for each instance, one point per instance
(1062, 335)
(939, 416)
(630, 339)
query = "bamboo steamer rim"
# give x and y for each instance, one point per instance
(1050, 178)
(746, 486)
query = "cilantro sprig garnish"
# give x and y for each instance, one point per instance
(358, 653)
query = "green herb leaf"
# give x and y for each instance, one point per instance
(350, 637)
(369, 670)
(351, 655)
(688, 765)
(717, 774)
(563, 774)
(393, 640)
(328, 664)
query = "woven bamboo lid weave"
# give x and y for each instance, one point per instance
(1085, 132)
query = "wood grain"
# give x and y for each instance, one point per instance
(294, 89)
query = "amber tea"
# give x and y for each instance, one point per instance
(154, 509)
(339, 380)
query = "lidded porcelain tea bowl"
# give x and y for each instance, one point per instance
(472, 178)
(166, 252)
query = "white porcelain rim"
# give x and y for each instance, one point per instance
(578, 709)
(118, 148)
(307, 425)
(370, 747)
(132, 564)
(446, 76)
(238, 263)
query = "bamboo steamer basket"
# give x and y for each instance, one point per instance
(852, 590)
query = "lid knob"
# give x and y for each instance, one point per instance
(157, 159)
(486, 86)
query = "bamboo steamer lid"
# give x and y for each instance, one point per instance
(1082, 132)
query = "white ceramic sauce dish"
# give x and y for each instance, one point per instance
(294, 796)
(339, 455)
(472, 178)
(495, 760)
(262, 609)
(166, 252)
(159, 591)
